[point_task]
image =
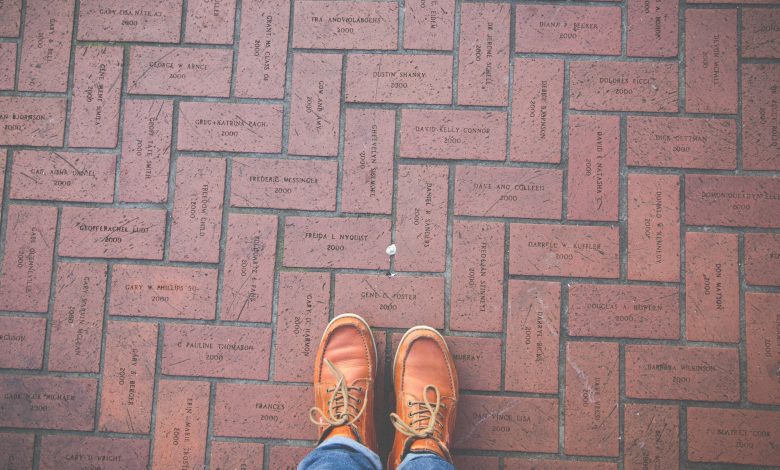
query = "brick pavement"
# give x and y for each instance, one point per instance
(584, 197)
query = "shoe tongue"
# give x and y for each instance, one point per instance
(343, 431)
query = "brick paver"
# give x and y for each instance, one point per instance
(584, 197)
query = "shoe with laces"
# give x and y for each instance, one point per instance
(426, 396)
(344, 374)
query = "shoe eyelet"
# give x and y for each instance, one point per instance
(410, 414)
(409, 403)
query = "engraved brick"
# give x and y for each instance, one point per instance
(336, 242)
(429, 24)
(103, 232)
(623, 86)
(398, 78)
(16, 449)
(392, 302)
(733, 436)
(275, 411)
(593, 180)
(184, 71)
(210, 22)
(367, 171)
(552, 464)
(262, 49)
(763, 347)
(237, 455)
(315, 102)
(26, 274)
(507, 423)
(146, 151)
(734, 201)
(477, 276)
(652, 28)
(97, 85)
(682, 373)
(109, 453)
(483, 54)
(304, 305)
(478, 361)
(762, 259)
(230, 127)
(711, 61)
(654, 227)
(161, 291)
(181, 424)
(615, 311)
(345, 25)
(760, 34)
(11, 14)
(147, 21)
(287, 457)
(284, 184)
(438, 133)
(247, 284)
(564, 250)
(652, 436)
(471, 462)
(568, 29)
(48, 28)
(197, 209)
(7, 64)
(3, 162)
(421, 218)
(532, 336)
(63, 176)
(537, 97)
(760, 90)
(47, 402)
(22, 342)
(32, 121)
(591, 414)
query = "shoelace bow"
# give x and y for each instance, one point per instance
(426, 412)
(340, 404)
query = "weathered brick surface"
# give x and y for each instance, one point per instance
(386, 78)
(17, 450)
(711, 61)
(179, 71)
(48, 402)
(345, 25)
(32, 121)
(22, 342)
(110, 453)
(367, 171)
(315, 104)
(63, 176)
(262, 49)
(734, 201)
(182, 421)
(7, 65)
(483, 54)
(763, 347)
(11, 12)
(147, 21)
(762, 259)
(473, 135)
(652, 28)
(623, 86)
(429, 24)
(230, 127)
(733, 436)
(652, 436)
(243, 455)
(48, 28)
(568, 29)
(760, 85)
(210, 22)
(760, 34)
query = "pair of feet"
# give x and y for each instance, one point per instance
(424, 380)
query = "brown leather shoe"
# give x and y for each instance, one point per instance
(344, 374)
(426, 394)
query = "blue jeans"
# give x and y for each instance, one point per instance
(341, 453)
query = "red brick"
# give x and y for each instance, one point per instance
(287, 457)
(711, 287)
(398, 78)
(429, 24)
(591, 410)
(568, 29)
(261, 72)
(392, 302)
(197, 209)
(367, 171)
(733, 436)
(16, 449)
(210, 22)
(264, 411)
(231, 352)
(47, 402)
(734, 201)
(7, 65)
(48, 28)
(11, 12)
(237, 455)
(345, 25)
(162, 291)
(682, 373)
(532, 336)
(146, 151)
(652, 437)
(623, 86)
(438, 133)
(506, 423)
(564, 250)
(97, 85)
(104, 232)
(181, 424)
(763, 347)
(537, 97)
(711, 61)
(185, 71)
(760, 145)
(222, 127)
(315, 103)
(483, 54)
(336, 242)
(79, 452)
(593, 179)
(32, 121)
(652, 28)
(678, 142)
(760, 35)
(477, 276)
(470, 462)
(63, 176)
(21, 342)
(620, 311)
(26, 269)
(247, 291)
(128, 377)
(762, 259)
(148, 21)
(550, 464)
(654, 227)
(284, 184)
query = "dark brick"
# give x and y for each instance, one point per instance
(711, 61)
(733, 436)
(48, 28)
(63, 176)
(181, 424)
(47, 402)
(108, 453)
(21, 342)
(237, 455)
(763, 347)
(16, 449)
(483, 54)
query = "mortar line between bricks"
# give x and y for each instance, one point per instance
(505, 307)
(743, 379)
(52, 290)
(563, 163)
(341, 136)
(19, 40)
(155, 392)
(448, 251)
(456, 25)
(394, 195)
(103, 345)
(235, 47)
(682, 282)
(623, 199)
(278, 262)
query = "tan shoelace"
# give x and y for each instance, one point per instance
(343, 409)
(426, 413)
